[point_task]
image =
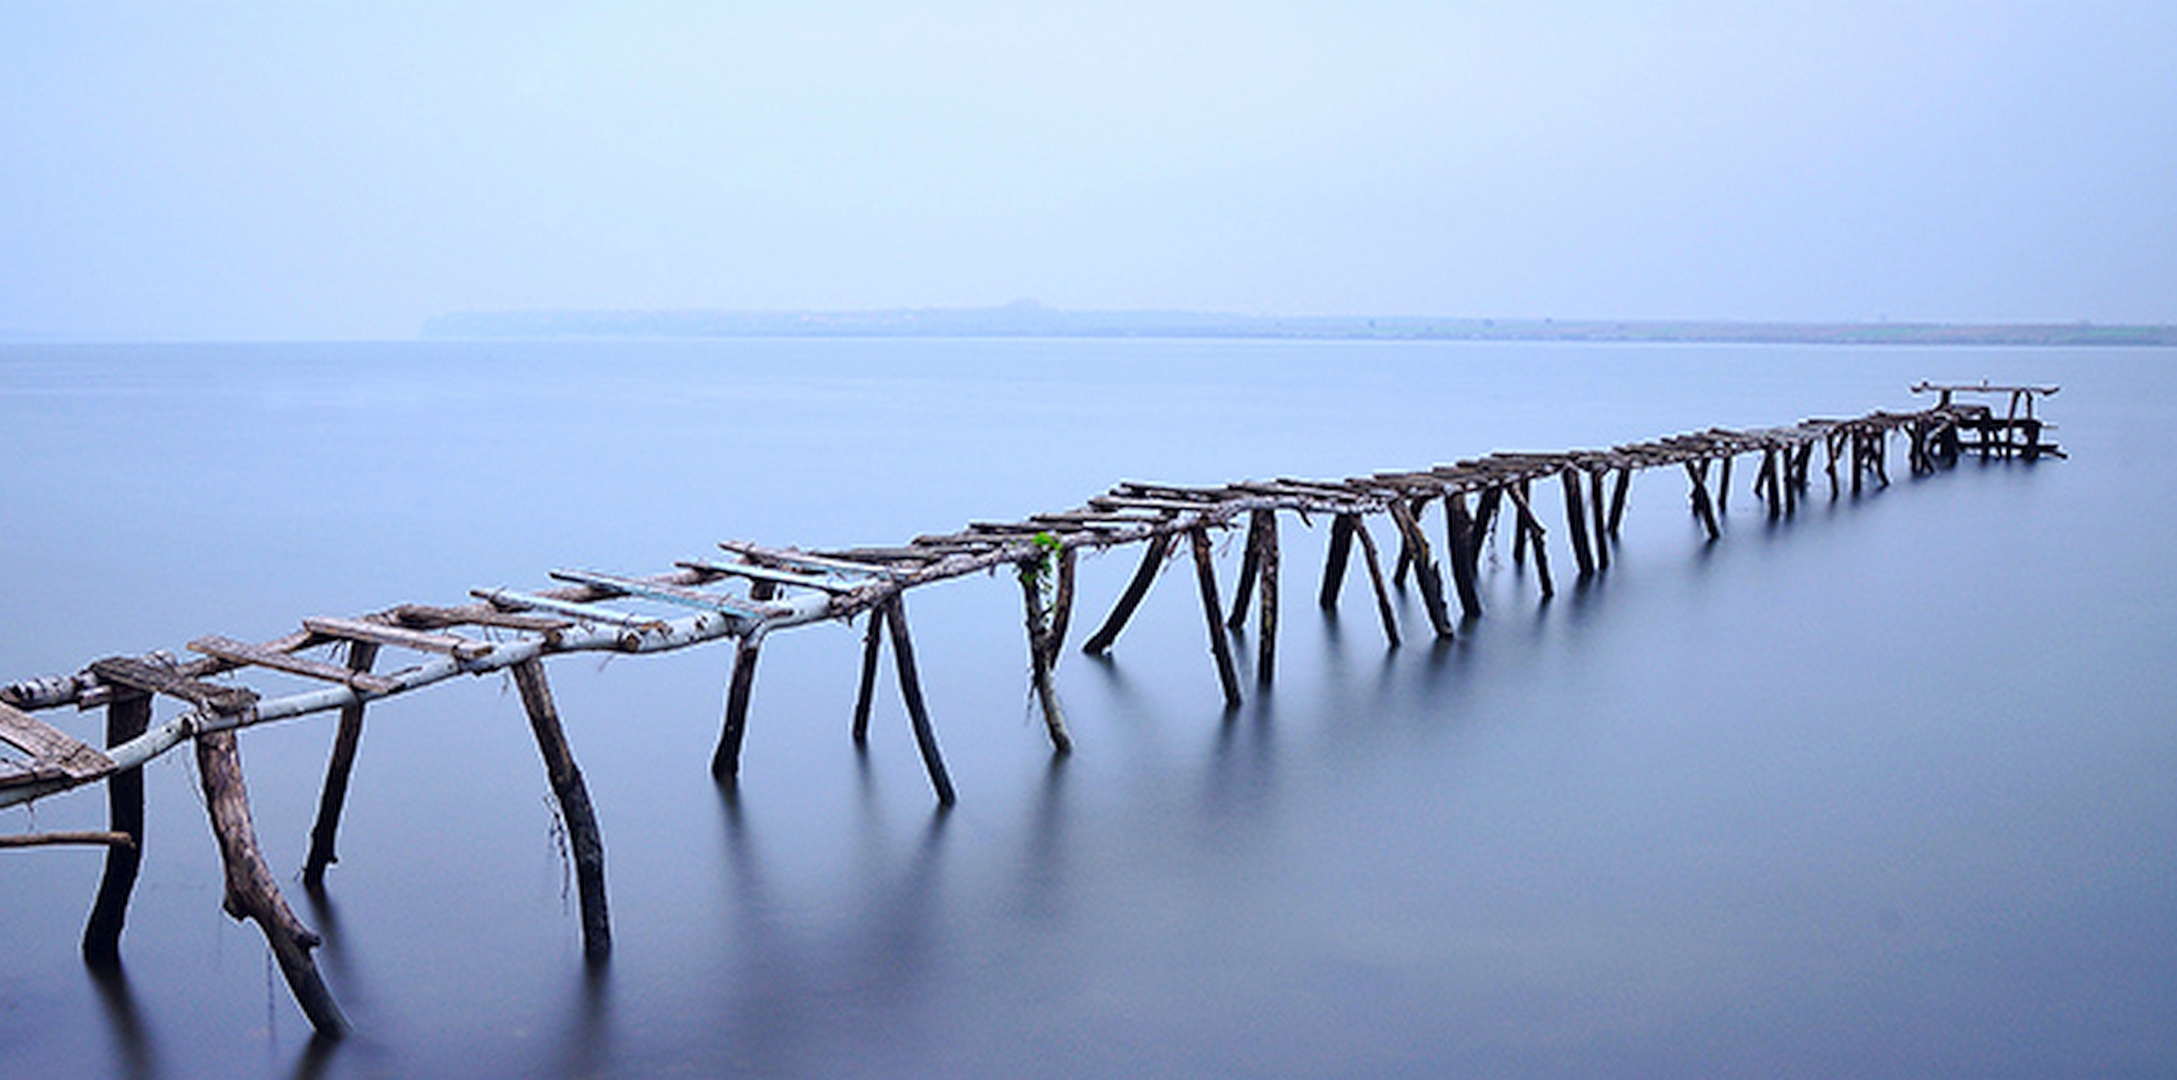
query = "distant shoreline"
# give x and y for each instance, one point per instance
(1030, 320)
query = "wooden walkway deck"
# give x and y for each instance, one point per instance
(752, 590)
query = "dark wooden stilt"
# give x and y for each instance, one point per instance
(126, 718)
(1040, 648)
(1243, 593)
(1698, 473)
(918, 714)
(1723, 485)
(584, 840)
(1531, 527)
(1425, 574)
(726, 759)
(1830, 444)
(1205, 575)
(1061, 606)
(1375, 579)
(1617, 499)
(1599, 519)
(864, 694)
(1152, 560)
(251, 892)
(1576, 523)
(1266, 641)
(1766, 483)
(1519, 534)
(1334, 564)
(1485, 518)
(1460, 547)
(361, 655)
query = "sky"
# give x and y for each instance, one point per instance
(336, 170)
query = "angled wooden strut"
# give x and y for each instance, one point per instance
(583, 838)
(1205, 575)
(361, 655)
(1152, 560)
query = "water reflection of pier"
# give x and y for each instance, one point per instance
(760, 589)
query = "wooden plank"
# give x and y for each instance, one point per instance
(423, 617)
(674, 594)
(809, 560)
(453, 645)
(586, 612)
(753, 572)
(109, 839)
(127, 671)
(236, 652)
(52, 746)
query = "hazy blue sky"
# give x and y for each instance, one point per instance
(349, 169)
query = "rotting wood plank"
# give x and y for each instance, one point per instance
(454, 645)
(242, 653)
(81, 836)
(521, 601)
(51, 746)
(757, 572)
(141, 677)
(676, 595)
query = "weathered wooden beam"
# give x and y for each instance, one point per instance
(1040, 648)
(726, 759)
(1461, 546)
(51, 746)
(593, 613)
(1576, 522)
(1334, 563)
(584, 840)
(140, 677)
(1375, 580)
(1426, 577)
(361, 654)
(679, 596)
(1152, 560)
(1250, 564)
(1266, 640)
(127, 716)
(454, 645)
(251, 891)
(865, 691)
(243, 654)
(1205, 575)
(1531, 527)
(918, 714)
(108, 839)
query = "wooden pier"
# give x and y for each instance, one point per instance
(751, 590)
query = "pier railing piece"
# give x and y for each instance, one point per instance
(777, 588)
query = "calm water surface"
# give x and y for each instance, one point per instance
(1889, 790)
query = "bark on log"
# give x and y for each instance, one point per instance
(251, 893)
(126, 718)
(583, 838)
(1205, 575)
(361, 655)
(871, 639)
(918, 714)
(1460, 547)
(1039, 658)
(1267, 560)
(726, 759)
(1152, 560)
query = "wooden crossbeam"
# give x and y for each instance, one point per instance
(242, 653)
(754, 572)
(454, 645)
(51, 746)
(137, 675)
(677, 595)
(521, 601)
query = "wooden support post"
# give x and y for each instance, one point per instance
(1040, 648)
(1519, 532)
(1531, 527)
(1334, 564)
(1485, 517)
(1460, 547)
(872, 637)
(1765, 484)
(1698, 473)
(1617, 499)
(361, 655)
(1205, 575)
(1425, 574)
(1266, 641)
(1723, 485)
(1152, 561)
(1062, 606)
(918, 714)
(584, 840)
(1375, 578)
(1882, 453)
(1859, 459)
(1576, 522)
(1250, 565)
(1599, 519)
(726, 759)
(1830, 443)
(251, 891)
(126, 717)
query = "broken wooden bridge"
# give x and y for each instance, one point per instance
(751, 591)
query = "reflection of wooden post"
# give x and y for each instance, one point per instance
(126, 718)
(726, 759)
(1266, 645)
(583, 838)
(903, 655)
(251, 892)
(1205, 573)
(361, 654)
(1152, 560)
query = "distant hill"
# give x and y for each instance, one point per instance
(1028, 319)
